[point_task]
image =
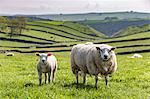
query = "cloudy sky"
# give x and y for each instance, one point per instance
(71, 6)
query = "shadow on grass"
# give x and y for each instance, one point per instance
(79, 86)
(29, 85)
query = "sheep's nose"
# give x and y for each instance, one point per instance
(43, 61)
(105, 56)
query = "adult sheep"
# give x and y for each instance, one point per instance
(47, 64)
(93, 59)
(10, 54)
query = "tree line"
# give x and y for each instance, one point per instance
(13, 27)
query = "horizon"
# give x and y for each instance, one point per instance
(76, 13)
(39, 7)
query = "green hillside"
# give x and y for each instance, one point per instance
(55, 32)
(59, 36)
(112, 27)
(132, 30)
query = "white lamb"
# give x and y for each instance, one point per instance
(93, 59)
(47, 64)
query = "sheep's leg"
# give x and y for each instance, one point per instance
(96, 80)
(84, 78)
(77, 77)
(45, 78)
(49, 75)
(106, 79)
(40, 78)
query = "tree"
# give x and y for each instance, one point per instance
(17, 25)
(13, 27)
(3, 23)
(111, 18)
(21, 24)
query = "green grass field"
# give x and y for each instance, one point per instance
(19, 79)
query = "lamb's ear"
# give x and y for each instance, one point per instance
(37, 54)
(113, 48)
(97, 48)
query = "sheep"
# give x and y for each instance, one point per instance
(9, 54)
(93, 59)
(47, 64)
(88, 43)
(136, 56)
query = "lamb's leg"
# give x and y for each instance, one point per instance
(49, 75)
(53, 74)
(45, 78)
(106, 79)
(96, 80)
(40, 77)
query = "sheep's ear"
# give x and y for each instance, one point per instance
(49, 54)
(37, 54)
(113, 48)
(97, 48)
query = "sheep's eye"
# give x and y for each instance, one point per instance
(101, 50)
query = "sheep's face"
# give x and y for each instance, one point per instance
(105, 53)
(43, 57)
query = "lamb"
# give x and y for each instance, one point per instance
(47, 64)
(93, 59)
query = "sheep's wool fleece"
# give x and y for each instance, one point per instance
(87, 59)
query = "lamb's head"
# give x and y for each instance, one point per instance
(43, 57)
(105, 52)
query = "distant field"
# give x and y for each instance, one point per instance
(95, 16)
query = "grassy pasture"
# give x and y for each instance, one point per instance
(19, 79)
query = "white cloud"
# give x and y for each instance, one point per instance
(71, 6)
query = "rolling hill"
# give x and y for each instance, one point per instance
(60, 36)
(94, 16)
(107, 24)
(111, 27)
(132, 30)
(51, 32)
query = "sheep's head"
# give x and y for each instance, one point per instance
(43, 57)
(105, 52)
